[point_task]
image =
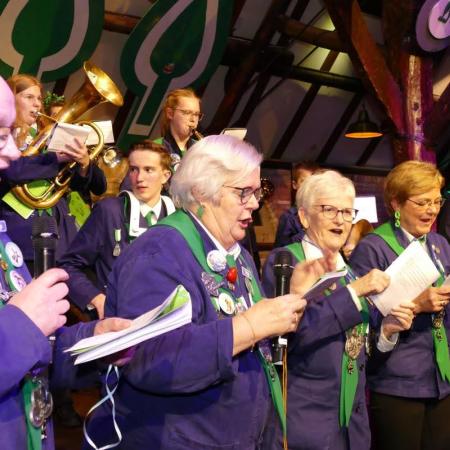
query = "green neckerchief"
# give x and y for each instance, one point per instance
(181, 221)
(386, 232)
(34, 441)
(349, 373)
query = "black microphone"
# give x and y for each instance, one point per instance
(44, 235)
(282, 269)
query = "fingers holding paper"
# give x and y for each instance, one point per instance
(373, 282)
(399, 319)
(115, 324)
(433, 299)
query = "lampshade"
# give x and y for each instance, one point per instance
(363, 128)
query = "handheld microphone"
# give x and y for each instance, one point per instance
(44, 235)
(282, 269)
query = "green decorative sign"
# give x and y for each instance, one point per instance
(48, 38)
(178, 43)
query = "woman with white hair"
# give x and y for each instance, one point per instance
(202, 385)
(327, 354)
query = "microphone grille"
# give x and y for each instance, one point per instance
(44, 226)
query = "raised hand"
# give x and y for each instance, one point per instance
(43, 300)
(307, 273)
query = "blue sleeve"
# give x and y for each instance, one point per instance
(324, 319)
(28, 168)
(64, 373)
(94, 181)
(370, 254)
(81, 255)
(185, 360)
(23, 345)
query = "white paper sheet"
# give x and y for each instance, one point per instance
(411, 273)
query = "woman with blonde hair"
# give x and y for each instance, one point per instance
(410, 401)
(27, 91)
(180, 117)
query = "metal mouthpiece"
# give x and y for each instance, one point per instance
(39, 114)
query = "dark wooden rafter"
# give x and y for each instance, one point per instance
(264, 77)
(310, 34)
(367, 59)
(413, 71)
(303, 109)
(438, 119)
(339, 128)
(247, 68)
(368, 151)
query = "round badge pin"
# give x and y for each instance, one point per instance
(226, 304)
(216, 261)
(14, 254)
(17, 281)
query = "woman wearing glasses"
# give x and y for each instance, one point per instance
(202, 385)
(326, 356)
(179, 121)
(410, 402)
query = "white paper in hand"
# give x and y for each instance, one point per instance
(64, 133)
(411, 273)
(323, 283)
(173, 313)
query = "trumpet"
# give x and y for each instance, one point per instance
(196, 134)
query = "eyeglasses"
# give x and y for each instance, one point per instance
(186, 112)
(438, 203)
(330, 212)
(246, 193)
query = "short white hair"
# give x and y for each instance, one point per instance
(7, 105)
(209, 164)
(323, 184)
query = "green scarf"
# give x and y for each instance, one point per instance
(386, 232)
(349, 369)
(181, 221)
(34, 441)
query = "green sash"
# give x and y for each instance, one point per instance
(181, 221)
(386, 232)
(349, 373)
(34, 441)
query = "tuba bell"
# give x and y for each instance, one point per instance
(97, 88)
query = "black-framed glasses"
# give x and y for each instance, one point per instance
(330, 212)
(187, 112)
(425, 203)
(245, 194)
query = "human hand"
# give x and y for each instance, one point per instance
(78, 152)
(399, 319)
(43, 300)
(115, 324)
(99, 302)
(276, 316)
(306, 273)
(433, 299)
(373, 282)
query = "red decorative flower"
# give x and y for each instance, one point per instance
(232, 275)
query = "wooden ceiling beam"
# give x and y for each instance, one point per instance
(302, 110)
(310, 34)
(247, 67)
(367, 59)
(339, 128)
(368, 151)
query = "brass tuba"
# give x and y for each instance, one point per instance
(97, 88)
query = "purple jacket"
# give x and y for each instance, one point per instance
(314, 374)
(410, 369)
(182, 390)
(289, 228)
(21, 352)
(35, 168)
